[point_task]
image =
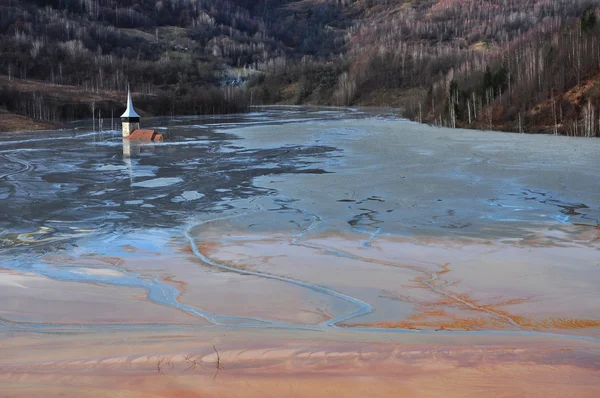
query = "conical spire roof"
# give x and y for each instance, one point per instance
(129, 112)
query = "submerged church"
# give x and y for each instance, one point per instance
(130, 121)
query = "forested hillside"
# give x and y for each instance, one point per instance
(515, 65)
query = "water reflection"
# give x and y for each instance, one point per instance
(127, 158)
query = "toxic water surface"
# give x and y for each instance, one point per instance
(61, 180)
(351, 219)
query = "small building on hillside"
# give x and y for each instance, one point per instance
(130, 121)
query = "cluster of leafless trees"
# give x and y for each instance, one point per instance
(168, 49)
(518, 65)
(542, 81)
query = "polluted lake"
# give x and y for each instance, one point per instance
(316, 250)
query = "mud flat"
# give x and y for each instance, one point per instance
(183, 363)
(295, 252)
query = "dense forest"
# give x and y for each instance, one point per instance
(514, 65)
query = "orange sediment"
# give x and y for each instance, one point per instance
(248, 364)
(447, 322)
(431, 315)
(443, 307)
(181, 286)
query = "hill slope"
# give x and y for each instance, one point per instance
(473, 63)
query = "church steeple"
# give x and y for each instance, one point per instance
(130, 119)
(130, 112)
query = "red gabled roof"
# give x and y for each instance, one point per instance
(146, 135)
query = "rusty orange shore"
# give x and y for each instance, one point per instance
(184, 364)
(436, 356)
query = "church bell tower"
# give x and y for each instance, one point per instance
(130, 120)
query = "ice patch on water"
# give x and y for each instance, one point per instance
(158, 182)
(156, 197)
(109, 167)
(134, 202)
(99, 193)
(187, 196)
(228, 149)
(143, 173)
